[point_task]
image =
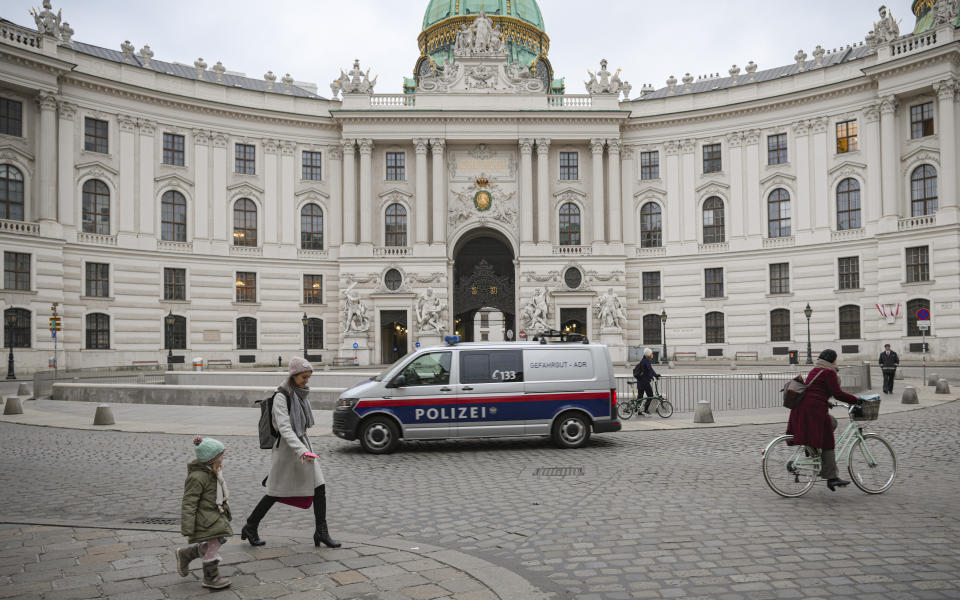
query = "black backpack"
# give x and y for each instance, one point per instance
(269, 436)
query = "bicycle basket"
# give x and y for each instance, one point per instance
(869, 410)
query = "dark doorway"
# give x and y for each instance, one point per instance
(483, 277)
(573, 320)
(393, 335)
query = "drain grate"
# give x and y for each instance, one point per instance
(558, 472)
(153, 521)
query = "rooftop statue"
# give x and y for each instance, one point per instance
(480, 38)
(48, 22)
(356, 81)
(602, 82)
(885, 30)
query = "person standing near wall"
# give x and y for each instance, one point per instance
(888, 365)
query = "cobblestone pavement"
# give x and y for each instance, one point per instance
(681, 513)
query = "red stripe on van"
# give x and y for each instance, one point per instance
(441, 401)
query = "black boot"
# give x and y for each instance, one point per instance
(833, 484)
(322, 534)
(249, 531)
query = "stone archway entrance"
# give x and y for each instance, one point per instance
(483, 279)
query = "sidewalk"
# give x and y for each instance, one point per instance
(217, 421)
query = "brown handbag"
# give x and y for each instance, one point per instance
(794, 391)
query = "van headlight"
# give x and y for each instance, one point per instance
(346, 403)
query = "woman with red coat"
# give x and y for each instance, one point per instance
(811, 423)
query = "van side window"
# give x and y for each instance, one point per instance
(491, 366)
(429, 369)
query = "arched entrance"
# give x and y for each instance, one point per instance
(483, 280)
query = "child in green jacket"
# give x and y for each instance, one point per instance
(205, 514)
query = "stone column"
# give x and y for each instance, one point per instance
(220, 211)
(627, 177)
(349, 191)
(596, 148)
(145, 200)
(423, 212)
(756, 206)
(671, 216)
(890, 145)
(947, 133)
(127, 153)
(286, 186)
(367, 210)
(689, 169)
(736, 204)
(270, 198)
(820, 200)
(614, 225)
(872, 207)
(438, 146)
(201, 198)
(803, 204)
(544, 214)
(45, 206)
(65, 188)
(526, 190)
(335, 223)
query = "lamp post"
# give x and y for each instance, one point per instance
(170, 319)
(11, 321)
(304, 320)
(663, 322)
(807, 312)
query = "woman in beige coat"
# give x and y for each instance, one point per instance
(295, 475)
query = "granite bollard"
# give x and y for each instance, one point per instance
(909, 395)
(703, 414)
(932, 379)
(943, 387)
(104, 415)
(12, 406)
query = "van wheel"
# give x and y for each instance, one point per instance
(571, 430)
(379, 435)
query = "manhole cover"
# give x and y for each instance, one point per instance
(558, 471)
(153, 521)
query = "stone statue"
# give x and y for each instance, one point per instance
(482, 31)
(479, 38)
(48, 22)
(429, 313)
(886, 29)
(603, 82)
(356, 81)
(610, 311)
(355, 315)
(534, 312)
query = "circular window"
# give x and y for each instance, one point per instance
(573, 278)
(392, 280)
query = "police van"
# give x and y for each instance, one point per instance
(563, 390)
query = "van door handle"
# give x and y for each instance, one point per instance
(446, 389)
(467, 388)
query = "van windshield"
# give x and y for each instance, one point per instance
(383, 373)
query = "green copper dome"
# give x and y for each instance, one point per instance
(525, 10)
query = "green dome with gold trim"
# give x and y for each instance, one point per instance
(525, 10)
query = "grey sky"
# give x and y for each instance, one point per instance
(312, 40)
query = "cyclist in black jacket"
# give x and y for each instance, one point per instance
(644, 373)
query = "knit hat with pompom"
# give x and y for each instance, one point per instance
(207, 449)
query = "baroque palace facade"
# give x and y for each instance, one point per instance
(187, 208)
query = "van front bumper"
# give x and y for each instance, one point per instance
(345, 424)
(606, 426)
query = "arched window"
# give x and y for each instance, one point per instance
(98, 331)
(848, 204)
(714, 327)
(651, 226)
(850, 322)
(778, 213)
(652, 332)
(244, 223)
(175, 336)
(569, 224)
(713, 232)
(780, 325)
(96, 207)
(173, 217)
(11, 193)
(396, 226)
(912, 307)
(246, 333)
(923, 191)
(311, 227)
(17, 336)
(314, 333)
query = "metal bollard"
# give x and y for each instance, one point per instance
(703, 414)
(932, 379)
(943, 387)
(909, 395)
(12, 406)
(104, 415)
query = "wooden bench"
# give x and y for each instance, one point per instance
(753, 355)
(220, 362)
(344, 361)
(684, 356)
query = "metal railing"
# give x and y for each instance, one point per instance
(144, 374)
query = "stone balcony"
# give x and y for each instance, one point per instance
(19, 227)
(573, 250)
(168, 246)
(651, 252)
(779, 242)
(96, 239)
(713, 248)
(20, 36)
(847, 234)
(920, 222)
(392, 251)
(246, 251)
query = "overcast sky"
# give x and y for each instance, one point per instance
(312, 40)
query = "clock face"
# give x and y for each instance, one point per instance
(543, 74)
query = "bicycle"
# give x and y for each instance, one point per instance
(628, 406)
(791, 470)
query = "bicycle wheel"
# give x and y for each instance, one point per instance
(787, 469)
(664, 408)
(625, 409)
(872, 464)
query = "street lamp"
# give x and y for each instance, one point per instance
(807, 312)
(663, 322)
(304, 320)
(170, 319)
(11, 321)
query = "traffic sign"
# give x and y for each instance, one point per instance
(923, 325)
(417, 345)
(356, 345)
(923, 315)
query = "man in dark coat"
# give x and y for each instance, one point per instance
(644, 373)
(888, 365)
(811, 424)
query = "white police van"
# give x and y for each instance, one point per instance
(468, 390)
